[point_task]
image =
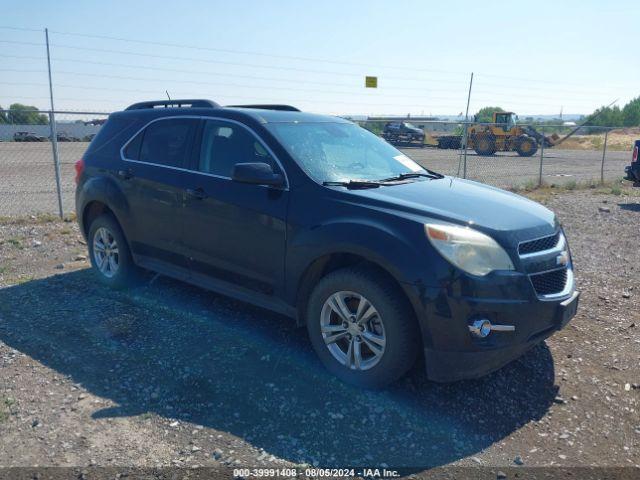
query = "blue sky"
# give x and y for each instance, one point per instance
(530, 57)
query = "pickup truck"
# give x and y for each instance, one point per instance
(633, 171)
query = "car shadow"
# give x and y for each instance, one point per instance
(632, 207)
(181, 352)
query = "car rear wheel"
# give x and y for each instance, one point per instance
(362, 328)
(109, 253)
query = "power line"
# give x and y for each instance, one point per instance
(288, 57)
(201, 72)
(267, 55)
(28, 57)
(333, 92)
(238, 64)
(233, 98)
(20, 70)
(274, 67)
(424, 90)
(289, 80)
(192, 59)
(6, 27)
(422, 98)
(18, 42)
(254, 53)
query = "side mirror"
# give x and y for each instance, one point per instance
(256, 173)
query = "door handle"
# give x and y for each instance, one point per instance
(198, 193)
(125, 174)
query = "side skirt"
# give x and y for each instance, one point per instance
(216, 285)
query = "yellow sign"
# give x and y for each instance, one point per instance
(371, 82)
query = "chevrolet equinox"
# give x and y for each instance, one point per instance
(314, 217)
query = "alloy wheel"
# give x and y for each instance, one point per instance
(105, 252)
(352, 330)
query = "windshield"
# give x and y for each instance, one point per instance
(340, 152)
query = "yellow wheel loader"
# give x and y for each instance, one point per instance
(505, 135)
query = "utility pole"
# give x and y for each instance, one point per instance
(54, 133)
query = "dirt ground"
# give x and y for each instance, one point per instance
(170, 375)
(620, 139)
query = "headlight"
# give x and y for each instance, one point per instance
(468, 249)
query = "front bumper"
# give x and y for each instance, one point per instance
(452, 353)
(533, 324)
(445, 366)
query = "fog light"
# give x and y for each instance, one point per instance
(480, 328)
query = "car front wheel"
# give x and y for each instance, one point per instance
(362, 327)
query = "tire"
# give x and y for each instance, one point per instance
(485, 144)
(392, 321)
(526, 146)
(102, 231)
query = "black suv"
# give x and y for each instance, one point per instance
(318, 219)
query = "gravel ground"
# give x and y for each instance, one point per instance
(28, 178)
(170, 375)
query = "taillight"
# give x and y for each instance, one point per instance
(635, 155)
(79, 169)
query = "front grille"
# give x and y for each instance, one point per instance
(548, 283)
(539, 244)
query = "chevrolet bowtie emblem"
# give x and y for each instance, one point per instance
(563, 258)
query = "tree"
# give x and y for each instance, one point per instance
(3, 116)
(606, 117)
(26, 115)
(631, 113)
(627, 116)
(485, 114)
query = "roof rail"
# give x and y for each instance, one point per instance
(194, 103)
(286, 108)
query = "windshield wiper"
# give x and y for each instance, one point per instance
(405, 176)
(355, 184)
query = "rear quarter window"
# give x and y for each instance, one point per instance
(132, 150)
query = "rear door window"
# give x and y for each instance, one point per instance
(224, 144)
(167, 142)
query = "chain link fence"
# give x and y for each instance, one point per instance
(557, 154)
(28, 183)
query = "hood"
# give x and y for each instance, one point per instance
(455, 200)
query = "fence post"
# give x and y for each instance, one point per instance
(604, 153)
(466, 128)
(541, 157)
(56, 161)
(54, 133)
